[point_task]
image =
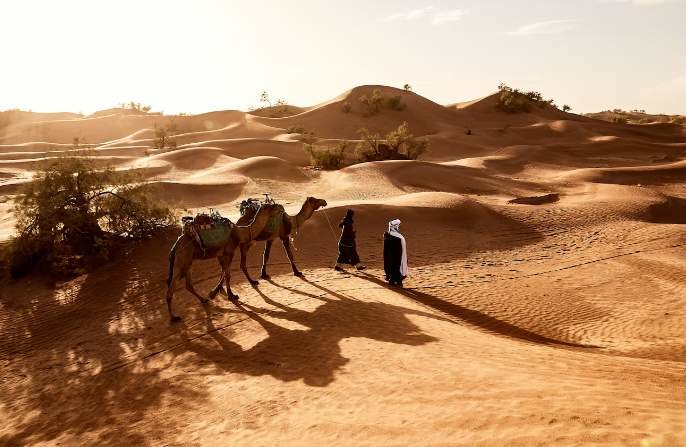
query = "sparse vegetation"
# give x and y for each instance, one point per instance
(512, 100)
(377, 101)
(373, 103)
(305, 135)
(327, 157)
(407, 87)
(165, 136)
(636, 116)
(295, 129)
(566, 108)
(135, 106)
(399, 144)
(279, 107)
(74, 214)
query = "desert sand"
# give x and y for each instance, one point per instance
(546, 303)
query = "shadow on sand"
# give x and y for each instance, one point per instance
(471, 316)
(311, 354)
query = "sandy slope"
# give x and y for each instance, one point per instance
(555, 324)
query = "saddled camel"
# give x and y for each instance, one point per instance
(185, 250)
(280, 228)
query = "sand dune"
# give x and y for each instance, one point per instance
(545, 306)
(328, 120)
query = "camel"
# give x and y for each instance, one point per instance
(185, 250)
(282, 229)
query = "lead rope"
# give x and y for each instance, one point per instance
(333, 233)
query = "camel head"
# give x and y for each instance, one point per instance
(315, 203)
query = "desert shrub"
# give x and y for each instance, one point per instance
(512, 100)
(347, 107)
(373, 103)
(407, 87)
(279, 107)
(295, 129)
(73, 214)
(135, 106)
(304, 135)
(404, 143)
(165, 136)
(399, 144)
(327, 157)
(395, 103)
(368, 149)
(566, 108)
(619, 120)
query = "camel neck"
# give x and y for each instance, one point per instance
(304, 214)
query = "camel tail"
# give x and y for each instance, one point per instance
(172, 258)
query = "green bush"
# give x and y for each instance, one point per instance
(373, 103)
(327, 157)
(74, 213)
(399, 144)
(512, 100)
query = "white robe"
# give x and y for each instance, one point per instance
(393, 231)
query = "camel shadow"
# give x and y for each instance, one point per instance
(473, 317)
(72, 353)
(311, 351)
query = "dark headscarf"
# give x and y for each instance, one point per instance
(348, 219)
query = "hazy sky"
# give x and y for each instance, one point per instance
(202, 55)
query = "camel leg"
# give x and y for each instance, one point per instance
(191, 289)
(244, 259)
(226, 274)
(170, 296)
(289, 253)
(176, 274)
(265, 257)
(219, 287)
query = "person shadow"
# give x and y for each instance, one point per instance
(471, 316)
(307, 346)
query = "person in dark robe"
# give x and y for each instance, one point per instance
(347, 248)
(394, 254)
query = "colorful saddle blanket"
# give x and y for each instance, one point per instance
(208, 230)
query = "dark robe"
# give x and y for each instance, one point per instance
(392, 257)
(347, 249)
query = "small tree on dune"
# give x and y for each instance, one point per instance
(407, 87)
(165, 136)
(327, 157)
(566, 108)
(399, 144)
(373, 102)
(264, 98)
(402, 142)
(73, 213)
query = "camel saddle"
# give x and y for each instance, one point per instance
(208, 230)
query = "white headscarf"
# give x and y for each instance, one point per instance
(393, 227)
